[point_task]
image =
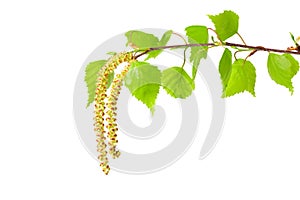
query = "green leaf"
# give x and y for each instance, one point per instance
(225, 67)
(177, 82)
(226, 24)
(163, 42)
(111, 53)
(143, 81)
(293, 38)
(241, 77)
(141, 40)
(110, 79)
(197, 35)
(165, 38)
(91, 75)
(282, 68)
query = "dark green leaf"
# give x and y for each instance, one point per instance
(294, 40)
(91, 75)
(197, 35)
(282, 68)
(143, 81)
(242, 77)
(226, 24)
(177, 82)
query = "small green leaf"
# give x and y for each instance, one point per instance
(110, 79)
(241, 78)
(91, 75)
(141, 40)
(226, 24)
(143, 81)
(177, 82)
(282, 68)
(111, 53)
(225, 67)
(165, 38)
(197, 35)
(293, 38)
(163, 42)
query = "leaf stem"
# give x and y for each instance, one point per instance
(240, 36)
(184, 57)
(177, 34)
(213, 30)
(184, 52)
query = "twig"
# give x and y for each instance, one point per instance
(257, 48)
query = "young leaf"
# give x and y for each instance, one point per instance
(177, 82)
(165, 38)
(293, 38)
(225, 67)
(139, 39)
(163, 41)
(241, 78)
(282, 68)
(91, 75)
(197, 34)
(111, 53)
(226, 24)
(143, 81)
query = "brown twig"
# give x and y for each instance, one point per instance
(257, 48)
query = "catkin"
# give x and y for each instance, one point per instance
(111, 111)
(100, 109)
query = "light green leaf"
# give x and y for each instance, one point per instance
(91, 75)
(143, 81)
(226, 24)
(282, 68)
(165, 38)
(111, 53)
(141, 40)
(110, 79)
(197, 35)
(225, 67)
(163, 42)
(177, 82)
(241, 78)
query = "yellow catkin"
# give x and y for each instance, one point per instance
(99, 109)
(111, 111)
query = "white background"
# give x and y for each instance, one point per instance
(42, 47)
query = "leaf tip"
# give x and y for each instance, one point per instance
(291, 89)
(152, 110)
(87, 105)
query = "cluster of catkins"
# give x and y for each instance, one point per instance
(105, 124)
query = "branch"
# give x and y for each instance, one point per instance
(257, 48)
